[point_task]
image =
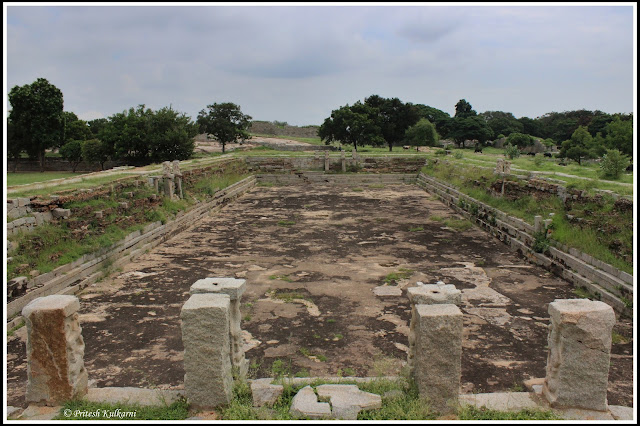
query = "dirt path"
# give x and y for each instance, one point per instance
(312, 256)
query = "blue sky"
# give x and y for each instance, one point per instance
(296, 64)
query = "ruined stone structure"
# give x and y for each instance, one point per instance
(167, 175)
(579, 353)
(234, 288)
(55, 350)
(205, 336)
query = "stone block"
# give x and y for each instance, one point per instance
(205, 336)
(24, 202)
(55, 350)
(537, 223)
(579, 352)
(98, 214)
(123, 205)
(265, 393)
(233, 287)
(437, 352)
(305, 404)
(431, 294)
(59, 213)
(348, 400)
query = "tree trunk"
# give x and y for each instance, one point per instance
(223, 144)
(390, 147)
(355, 147)
(41, 155)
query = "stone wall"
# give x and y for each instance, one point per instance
(395, 164)
(611, 285)
(298, 178)
(58, 165)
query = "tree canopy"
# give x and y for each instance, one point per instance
(393, 116)
(225, 122)
(356, 125)
(37, 116)
(423, 133)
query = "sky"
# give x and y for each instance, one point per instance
(298, 63)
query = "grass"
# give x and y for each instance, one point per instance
(288, 296)
(393, 277)
(617, 338)
(85, 183)
(178, 410)
(416, 229)
(281, 278)
(472, 413)
(458, 224)
(24, 178)
(474, 182)
(286, 223)
(16, 328)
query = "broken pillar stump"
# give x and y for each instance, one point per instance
(55, 350)
(205, 336)
(437, 352)
(579, 352)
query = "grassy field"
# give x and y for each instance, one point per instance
(23, 178)
(84, 184)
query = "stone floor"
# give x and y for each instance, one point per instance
(312, 257)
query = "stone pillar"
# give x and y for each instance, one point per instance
(326, 161)
(343, 161)
(507, 167)
(430, 294)
(178, 178)
(438, 352)
(579, 351)
(55, 350)
(168, 179)
(234, 288)
(537, 223)
(547, 223)
(205, 336)
(156, 183)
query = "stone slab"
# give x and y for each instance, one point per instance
(580, 414)
(234, 287)
(430, 294)
(387, 290)
(36, 412)
(13, 412)
(129, 395)
(67, 304)
(305, 404)
(503, 401)
(265, 393)
(621, 413)
(348, 400)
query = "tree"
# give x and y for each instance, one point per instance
(502, 122)
(435, 116)
(462, 129)
(577, 148)
(393, 116)
(96, 125)
(172, 134)
(530, 126)
(613, 163)
(96, 151)
(127, 134)
(37, 114)
(74, 128)
(464, 109)
(72, 152)
(620, 136)
(520, 140)
(15, 144)
(355, 125)
(423, 133)
(225, 122)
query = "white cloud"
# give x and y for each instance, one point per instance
(296, 64)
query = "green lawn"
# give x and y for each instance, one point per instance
(85, 183)
(23, 178)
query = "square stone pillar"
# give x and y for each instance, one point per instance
(438, 352)
(205, 336)
(234, 288)
(430, 294)
(55, 350)
(499, 166)
(326, 161)
(177, 178)
(537, 224)
(343, 161)
(579, 351)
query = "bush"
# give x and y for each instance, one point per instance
(95, 151)
(519, 139)
(72, 152)
(511, 151)
(458, 155)
(441, 152)
(613, 163)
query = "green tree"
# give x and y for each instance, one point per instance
(520, 140)
(225, 122)
(36, 111)
(531, 127)
(620, 136)
(72, 152)
(613, 163)
(423, 133)
(511, 151)
(462, 129)
(172, 134)
(352, 125)
(393, 116)
(502, 122)
(15, 144)
(74, 128)
(578, 147)
(127, 134)
(96, 151)
(96, 125)
(464, 109)
(435, 116)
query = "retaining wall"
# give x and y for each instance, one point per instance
(72, 277)
(387, 164)
(606, 282)
(298, 178)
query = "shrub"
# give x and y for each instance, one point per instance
(613, 163)
(458, 155)
(519, 139)
(72, 152)
(441, 152)
(511, 151)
